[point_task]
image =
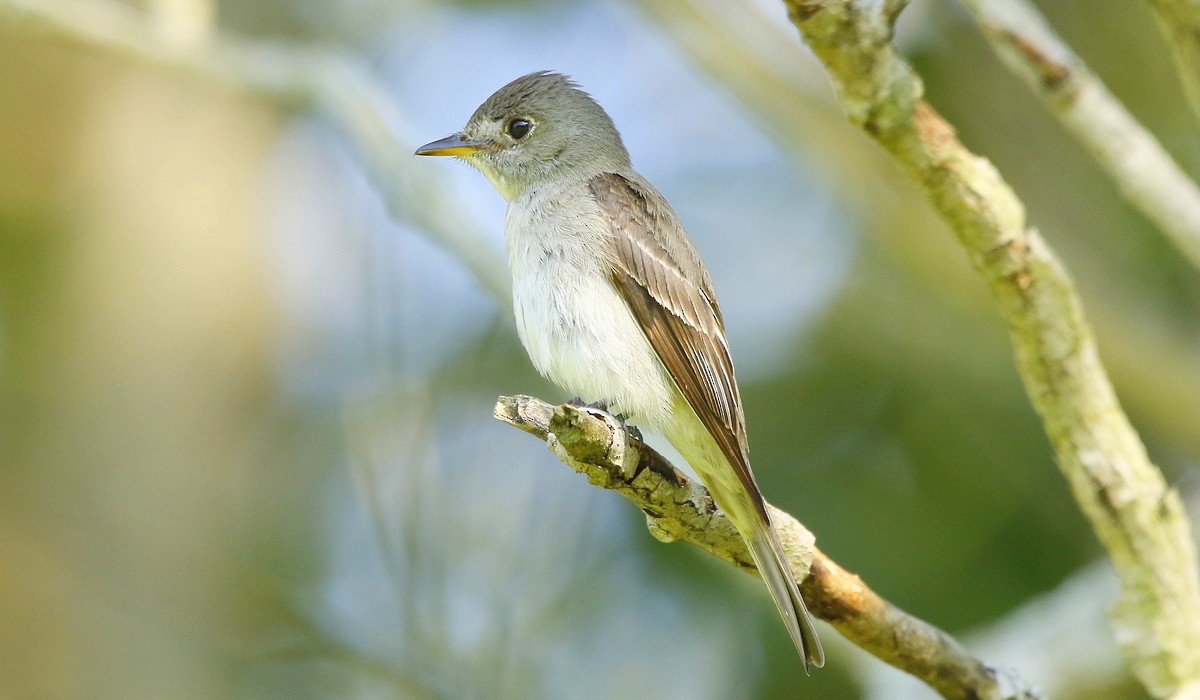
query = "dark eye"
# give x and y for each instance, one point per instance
(518, 128)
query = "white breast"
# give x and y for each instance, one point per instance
(574, 324)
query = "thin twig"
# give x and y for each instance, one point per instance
(1145, 173)
(1180, 23)
(1137, 517)
(677, 508)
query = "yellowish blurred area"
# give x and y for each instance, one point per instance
(135, 345)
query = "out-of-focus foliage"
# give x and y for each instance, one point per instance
(245, 436)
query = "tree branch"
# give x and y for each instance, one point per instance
(1059, 638)
(777, 79)
(1137, 517)
(1180, 23)
(1145, 173)
(598, 446)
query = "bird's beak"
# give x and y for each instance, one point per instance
(452, 145)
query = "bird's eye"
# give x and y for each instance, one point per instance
(518, 128)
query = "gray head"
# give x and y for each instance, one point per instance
(539, 127)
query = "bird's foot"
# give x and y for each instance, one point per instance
(630, 429)
(578, 402)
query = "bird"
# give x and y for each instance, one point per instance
(612, 301)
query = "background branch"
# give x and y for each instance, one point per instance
(1144, 172)
(1138, 518)
(333, 83)
(1059, 639)
(677, 508)
(759, 59)
(1180, 23)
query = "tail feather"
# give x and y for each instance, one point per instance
(769, 557)
(737, 495)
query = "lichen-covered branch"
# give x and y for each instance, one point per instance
(1059, 638)
(677, 508)
(1145, 173)
(781, 84)
(1180, 22)
(1138, 518)
(289, 75)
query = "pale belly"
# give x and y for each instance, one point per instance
(572, 321)
(580, 334)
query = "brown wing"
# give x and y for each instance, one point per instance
(677, 312)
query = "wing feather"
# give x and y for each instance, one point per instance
(678, 313)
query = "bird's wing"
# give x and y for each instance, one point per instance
(678, 314)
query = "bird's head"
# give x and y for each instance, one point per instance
(538, 128)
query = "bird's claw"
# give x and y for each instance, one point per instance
(630, 429)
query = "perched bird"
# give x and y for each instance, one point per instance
(612, 301)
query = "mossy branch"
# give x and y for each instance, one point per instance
(1137, 517)
(1145, 173)
(598, 446)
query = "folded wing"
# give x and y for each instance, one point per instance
(678, 314)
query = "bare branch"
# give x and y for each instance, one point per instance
(596, 445)
(776, 78)
(1138, 518)
(1180, 22)
(289, 75)
(1145, 173)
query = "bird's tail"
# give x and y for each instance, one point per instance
(769, 557)
(726, 473)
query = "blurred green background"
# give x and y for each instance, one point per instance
(246, 445)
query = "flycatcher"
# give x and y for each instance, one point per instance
(612, 301)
